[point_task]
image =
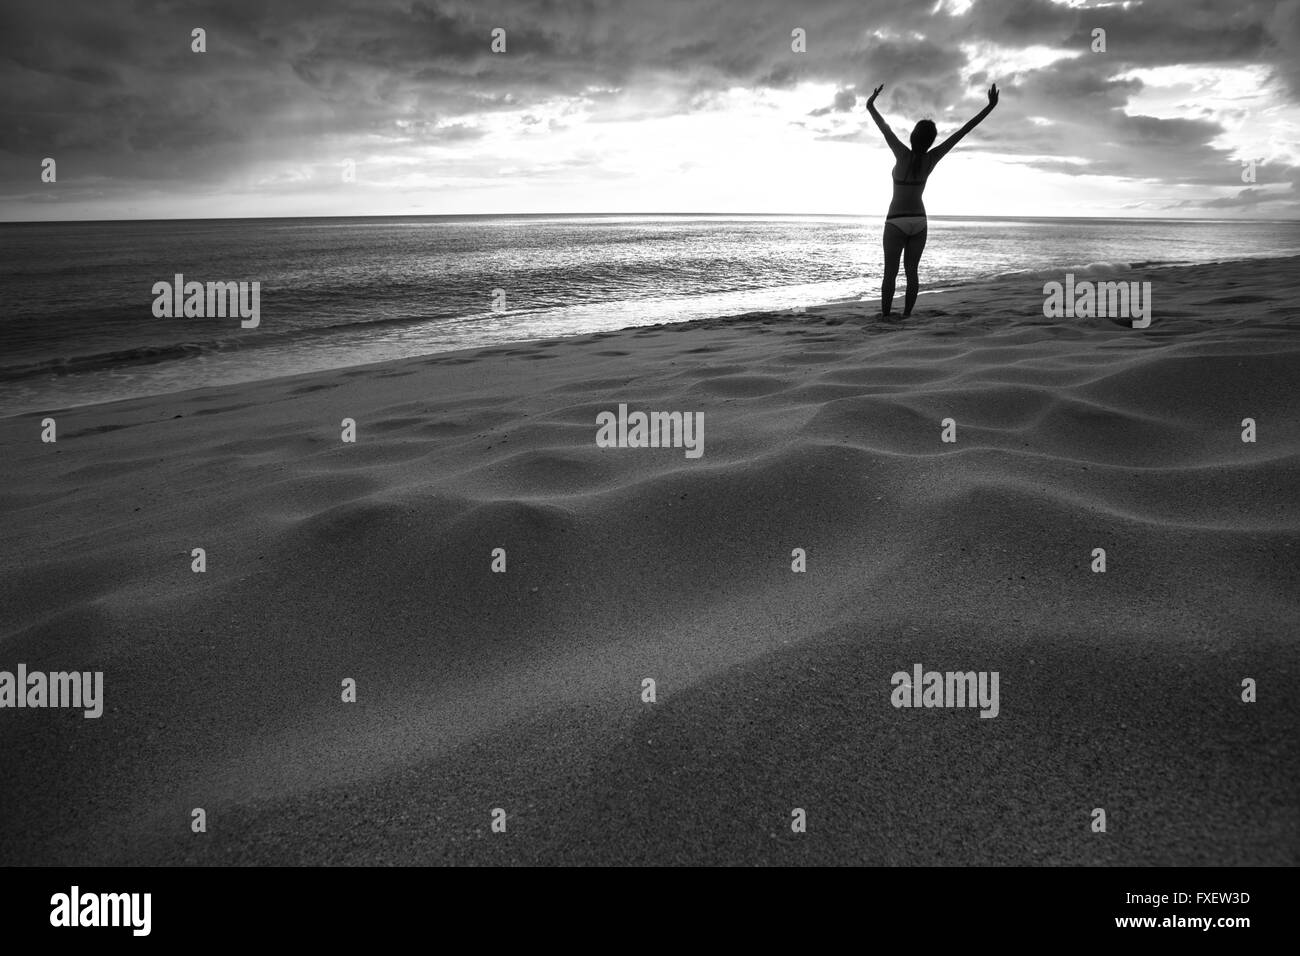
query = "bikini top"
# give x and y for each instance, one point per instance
(909, 182)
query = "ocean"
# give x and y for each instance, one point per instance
(79, 327)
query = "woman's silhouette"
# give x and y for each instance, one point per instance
(905, 225)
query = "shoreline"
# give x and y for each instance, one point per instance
(841, 309)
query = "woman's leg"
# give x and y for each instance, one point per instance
(894, 241)
(911, 259)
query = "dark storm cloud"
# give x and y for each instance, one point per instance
(113, 89)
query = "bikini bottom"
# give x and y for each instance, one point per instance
(908, 225)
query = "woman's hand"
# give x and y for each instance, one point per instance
(872, 98)
(993, 95)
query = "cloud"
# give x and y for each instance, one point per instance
(1246, 198)
(844, 102)
(112, 89)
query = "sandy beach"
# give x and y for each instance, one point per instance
(523, 690)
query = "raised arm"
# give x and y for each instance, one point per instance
(894, 142)
(940, 151)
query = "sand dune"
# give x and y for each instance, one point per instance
(522, 690)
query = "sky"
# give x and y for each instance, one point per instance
(372, 107)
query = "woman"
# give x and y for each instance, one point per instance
(905, 222)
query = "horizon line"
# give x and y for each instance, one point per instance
(577, 215)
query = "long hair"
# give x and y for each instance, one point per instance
(923, 135)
